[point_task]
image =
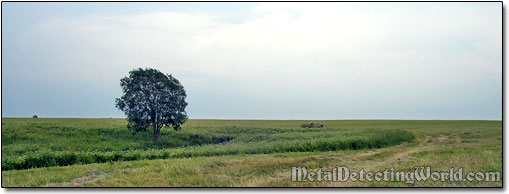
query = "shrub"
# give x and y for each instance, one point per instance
(315, 125)
(311, 125)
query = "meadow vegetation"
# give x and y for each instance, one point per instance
(83, 152)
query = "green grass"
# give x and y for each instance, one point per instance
(82, 152)
(45, 144)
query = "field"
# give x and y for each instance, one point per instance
(240, 153)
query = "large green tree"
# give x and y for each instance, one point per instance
(152, 99)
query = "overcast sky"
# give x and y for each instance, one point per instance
(258, 60)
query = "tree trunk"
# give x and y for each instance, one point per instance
(154, 125)
(156, 133)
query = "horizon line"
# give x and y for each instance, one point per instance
(265, 119)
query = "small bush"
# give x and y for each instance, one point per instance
(311, 125)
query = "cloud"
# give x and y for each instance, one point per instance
(330, 55)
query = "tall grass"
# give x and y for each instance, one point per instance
(59, 144)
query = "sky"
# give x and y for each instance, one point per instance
(271, 60)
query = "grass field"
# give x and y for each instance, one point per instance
(239, 153)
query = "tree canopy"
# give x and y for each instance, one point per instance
(152, 99)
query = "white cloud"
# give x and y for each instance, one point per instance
(335, 48)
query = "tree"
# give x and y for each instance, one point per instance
(152, 99)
